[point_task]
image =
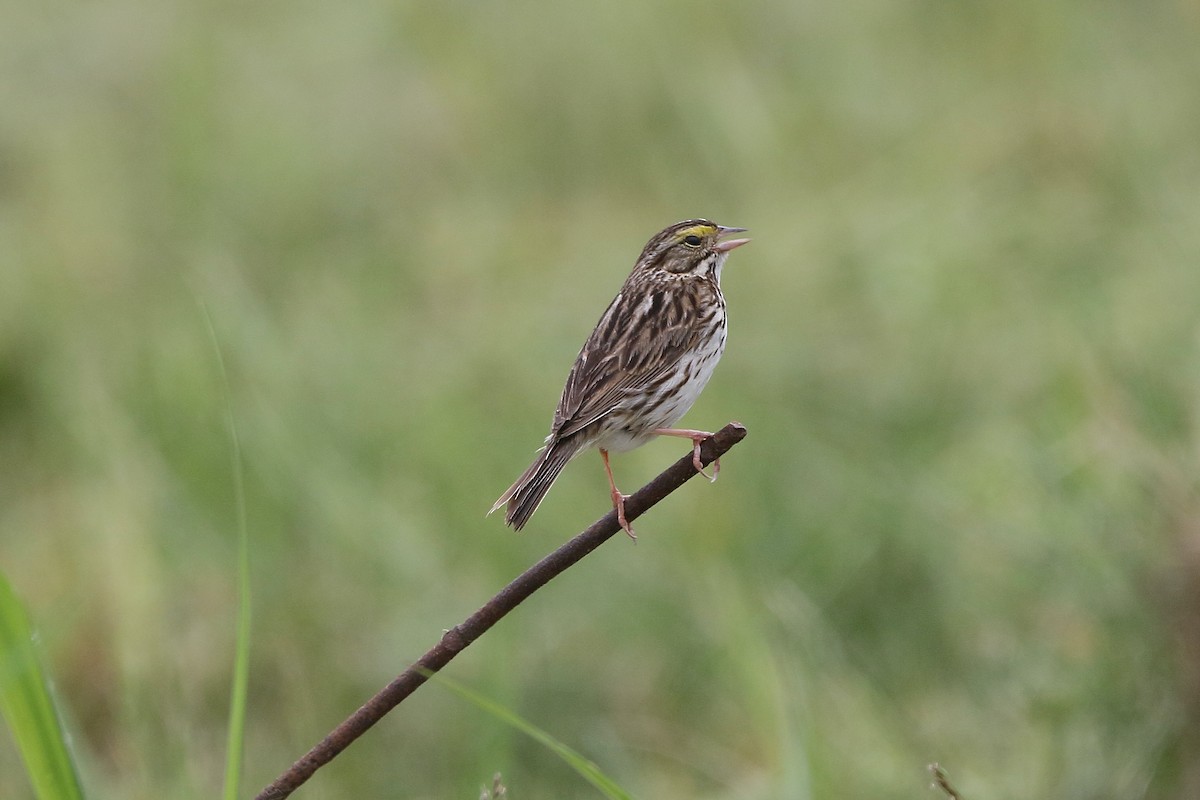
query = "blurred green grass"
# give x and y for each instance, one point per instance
(964, 341)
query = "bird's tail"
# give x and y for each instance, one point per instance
(524, 496)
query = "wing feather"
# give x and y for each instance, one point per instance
(634, 344)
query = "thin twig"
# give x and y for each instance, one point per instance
(457, 638)
(941, 781)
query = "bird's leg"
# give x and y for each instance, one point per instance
(697, 437)
(617, 498)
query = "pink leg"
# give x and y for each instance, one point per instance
(618, 499)
(697, 437)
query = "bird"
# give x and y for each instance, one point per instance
(645, 364)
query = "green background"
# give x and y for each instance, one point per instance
(964, 527)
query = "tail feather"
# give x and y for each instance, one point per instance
(524, 496)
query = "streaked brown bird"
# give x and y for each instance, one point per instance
(644, 365)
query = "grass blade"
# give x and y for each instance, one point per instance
(28, 707)
(241, 659)
(235, 737)
(586, 769)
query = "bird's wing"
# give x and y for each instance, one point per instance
(636, 343)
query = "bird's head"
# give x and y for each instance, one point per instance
(692, 247)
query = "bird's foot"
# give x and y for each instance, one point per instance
(618, 499)
(619, 504)
(697, 437)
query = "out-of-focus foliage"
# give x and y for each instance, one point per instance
(964, 526)
(27, 708)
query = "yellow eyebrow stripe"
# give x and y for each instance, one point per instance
(696, 230)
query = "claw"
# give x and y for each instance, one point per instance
(619, 505)
(700, 466)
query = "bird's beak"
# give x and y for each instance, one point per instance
(729, 244)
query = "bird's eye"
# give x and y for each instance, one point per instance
(692, 241)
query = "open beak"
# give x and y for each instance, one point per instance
(729, 244)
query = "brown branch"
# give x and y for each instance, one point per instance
(457, 638)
